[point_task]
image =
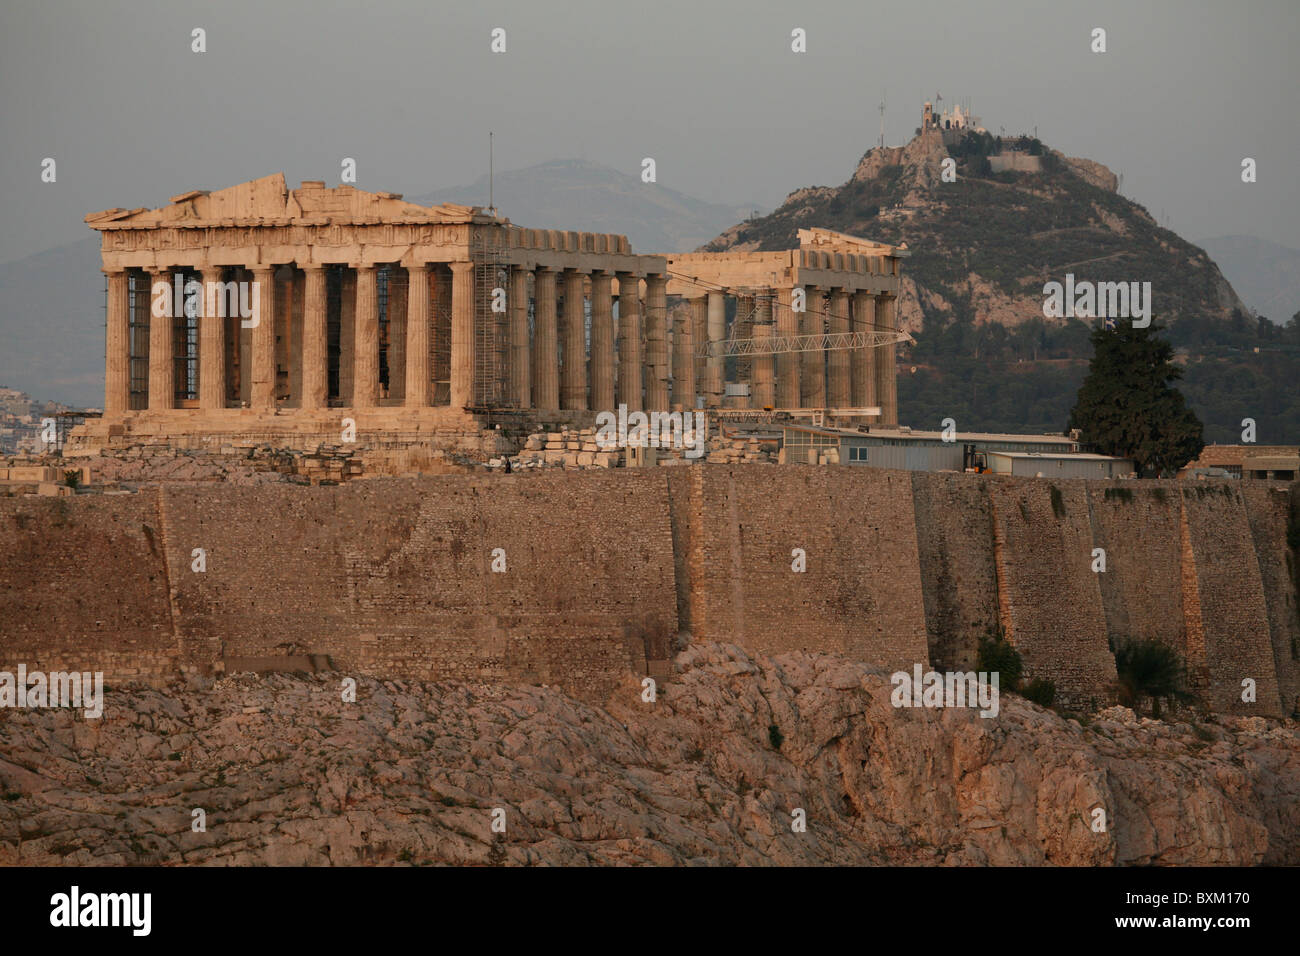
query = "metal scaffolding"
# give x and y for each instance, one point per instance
(491, 340)
(817, 342)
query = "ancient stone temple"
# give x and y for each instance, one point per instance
(260, 312)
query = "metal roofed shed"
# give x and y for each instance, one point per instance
(1064, 465)
(903, 449)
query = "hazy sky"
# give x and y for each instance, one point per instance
(111, 90)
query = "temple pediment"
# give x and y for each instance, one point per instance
(268, 201)
(825, 240)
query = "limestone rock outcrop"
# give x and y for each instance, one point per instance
(710, 773)
(1091, 172)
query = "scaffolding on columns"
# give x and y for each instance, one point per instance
(816, 342)
(737, 345)
(491, 333)
(743, 328)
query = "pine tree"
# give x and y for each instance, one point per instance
(1127, 406)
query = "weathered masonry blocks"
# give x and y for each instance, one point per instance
(860, 595)
(959, 583)
(604, 571)
(1051, 598)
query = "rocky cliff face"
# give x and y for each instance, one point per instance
(1094, 174)
(710, 773)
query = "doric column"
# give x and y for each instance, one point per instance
(521, 378)
(212, 343)
(240, 346)
(656, 343)
(684, 346)
(263, 395)
(417, 337)
(365, 379)
(786, 323)
(462, 334)
(162, 363)
(863, 361)
(886, 369)
(602, 342)
(699, 307)
(717, 375)
(573, 374)
(546, 345)
(812, 375)
(839, 393)
(629, 341)
(117, 349)
(762, 386)
(315, 373)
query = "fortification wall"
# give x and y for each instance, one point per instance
(83, 586)
(860, 594)
(1138, 526)
(959, 577)
(394, 577)
(1268, 508)
(1051, 599)
(1233, 616)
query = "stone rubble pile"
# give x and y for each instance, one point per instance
(577, 448)
(255, 462)
(566, 448)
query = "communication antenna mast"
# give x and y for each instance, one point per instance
(492, 208)
(883, 96)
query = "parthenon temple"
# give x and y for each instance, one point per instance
(415, 318)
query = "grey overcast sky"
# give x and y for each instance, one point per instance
(111, 90)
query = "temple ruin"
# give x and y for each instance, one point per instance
(426, 320)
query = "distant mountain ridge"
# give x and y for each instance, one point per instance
(579, 194)
(52, 324)
(1265, 274)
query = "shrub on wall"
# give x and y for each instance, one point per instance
(1148, 668)
(1039, 691)
(996, 655)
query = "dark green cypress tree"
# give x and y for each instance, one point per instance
(1127, 406)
